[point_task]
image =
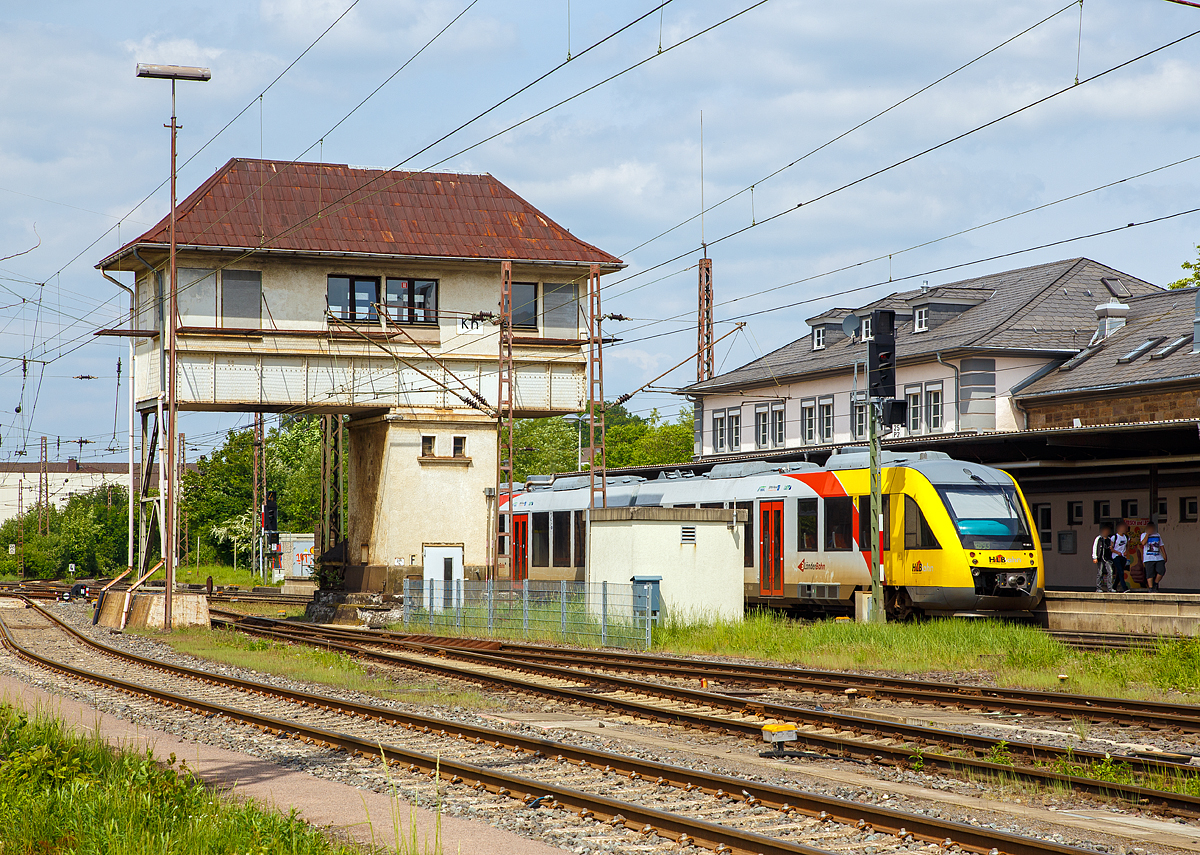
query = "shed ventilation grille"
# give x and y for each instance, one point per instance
(687, 534)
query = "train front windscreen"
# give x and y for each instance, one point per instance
(988, 516)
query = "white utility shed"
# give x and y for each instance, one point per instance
(697, 552)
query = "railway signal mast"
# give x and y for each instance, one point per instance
(883, 411)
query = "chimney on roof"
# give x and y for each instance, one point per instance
(1111, 317)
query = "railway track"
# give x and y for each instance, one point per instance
(833, 734)
(641, 800)
(1183, 717)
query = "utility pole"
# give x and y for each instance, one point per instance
(505, 424)
(21, 524)
(43, 499)
(168, 520)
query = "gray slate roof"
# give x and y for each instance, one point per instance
(1165, 314)
(1047, 308)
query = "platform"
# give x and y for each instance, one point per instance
(1135, 612)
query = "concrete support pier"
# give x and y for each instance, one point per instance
(121, 610)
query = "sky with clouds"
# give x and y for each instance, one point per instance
(83, 149)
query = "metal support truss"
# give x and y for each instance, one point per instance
(596, 454)
(148, 505)
(333, 514)
(505, 422)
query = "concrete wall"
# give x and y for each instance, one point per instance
(401, 501)
(1117, 409)
(701, 579)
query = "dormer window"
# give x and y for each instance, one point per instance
(818, 338)
(921, 319)
(865, 329)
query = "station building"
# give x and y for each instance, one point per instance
(321, 288)
(1081, 381)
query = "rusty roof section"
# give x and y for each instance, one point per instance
(333, 208)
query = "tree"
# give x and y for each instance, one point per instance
(1193, 268)
(220, 491)
(546, 446)
(89, 532)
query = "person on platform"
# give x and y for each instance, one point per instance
(1154, 556)
(1102, 558)
(1120, 550)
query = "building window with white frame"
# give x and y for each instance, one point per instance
(825, 419)
(921, 319)
(777, 429)
(933, 408)
(735, 429)
(808, 422)
(866, 328)
(859, 422)
(718, 432)
(762, 432)
(818, 338)
(913, 396)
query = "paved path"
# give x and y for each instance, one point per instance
(322, 802)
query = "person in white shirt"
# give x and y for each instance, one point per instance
(1120, 549)
(1102, 558)
(1154, 556)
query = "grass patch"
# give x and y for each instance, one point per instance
(1012, 654)
(64, 793)
(250, 607)
(314, 665)
(242, 577)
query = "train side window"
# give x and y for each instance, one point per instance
(748, 544)
(562, 538)
(716, 506)
(917, 533)
(1074, 513)
(864, 523)
(806, 525)
(839, 524)
(541, 539)
(580, 539)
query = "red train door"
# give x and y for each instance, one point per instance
(770, 550)
(520, 556)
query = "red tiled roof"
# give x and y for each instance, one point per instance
(322, 207)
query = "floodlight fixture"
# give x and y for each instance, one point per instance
(173, 72)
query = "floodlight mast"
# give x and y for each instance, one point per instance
(167, 522)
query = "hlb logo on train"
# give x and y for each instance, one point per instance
(918, 567)
(997, 559)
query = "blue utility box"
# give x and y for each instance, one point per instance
(640, 593)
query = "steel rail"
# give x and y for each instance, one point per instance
(754, 793)
(1059, 704)
(924, 749)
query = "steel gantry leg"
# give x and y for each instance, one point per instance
(505, 422)
(596, 453)
(333, 514)
(148, 505)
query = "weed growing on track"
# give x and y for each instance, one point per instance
(64, 793)
(1010, 654)
(313, 665)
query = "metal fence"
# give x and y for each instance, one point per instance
(571, 612)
